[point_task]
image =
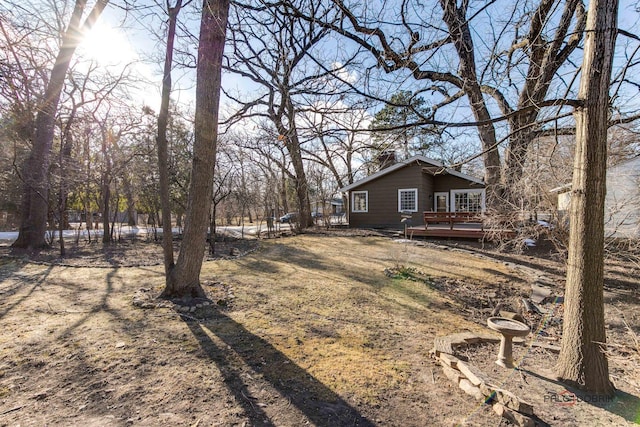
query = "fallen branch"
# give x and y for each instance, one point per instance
(8, 411)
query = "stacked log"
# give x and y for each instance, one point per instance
(474, 382)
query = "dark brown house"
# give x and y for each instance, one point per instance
(409, 188)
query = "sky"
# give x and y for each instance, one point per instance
(115, 42)
(119, 39)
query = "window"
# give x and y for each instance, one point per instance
(360, 201)
(468, 200)
(408, 200)
(441, 201)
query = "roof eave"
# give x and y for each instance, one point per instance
(404, 163)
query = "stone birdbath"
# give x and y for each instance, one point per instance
(508, 328)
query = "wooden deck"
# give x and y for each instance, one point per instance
(463, 231)
(456, 224)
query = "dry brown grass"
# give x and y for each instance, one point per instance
(313, 331)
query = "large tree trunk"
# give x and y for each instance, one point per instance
(163, 151)
(184, 279)
(283, 189)
(301, 182)
(456, 20)
(582, 361)
(292, 144)
(132, 219)
(107, 141)
(65, 166)
(35, 198)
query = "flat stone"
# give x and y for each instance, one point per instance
(508, 399)
(539, 292)
(513, 416)
(442, 345)
(473, 374)
(449, 360)
(453, 374)
(484, 338)
(470, 389)
(449, 343)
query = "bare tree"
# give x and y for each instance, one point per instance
(277, 51)
(163, 154)
(583, 361)
(423, 48)
(334, 141)
(35, 172)
(184, 278)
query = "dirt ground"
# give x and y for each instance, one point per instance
(327, 329)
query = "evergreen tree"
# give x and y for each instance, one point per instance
(395, 127)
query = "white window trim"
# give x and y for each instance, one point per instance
(366, 198)
(435, 200)
(415, 191)
(468, 190)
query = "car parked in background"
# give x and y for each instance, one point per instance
(289, 217)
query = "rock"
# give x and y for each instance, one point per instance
(141, 303)
(443, 345)
(470, 389)
(121, 344)
(192, 309)
(449, 360)
(453, 374)
(513, 316)
(449, 343)
(506, 398)
(529, 306)
(540, 292)
(513, 416)
(473, 374)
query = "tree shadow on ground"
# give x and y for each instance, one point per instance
(622, 403)
(242, 351)
(20, 283)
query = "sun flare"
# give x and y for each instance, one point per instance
(107, 46)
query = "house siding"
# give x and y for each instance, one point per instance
(622, 204)
(414, 173)
(622, 201)
(383, 198)
(450, 182)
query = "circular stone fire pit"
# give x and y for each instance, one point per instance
(508, 328)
